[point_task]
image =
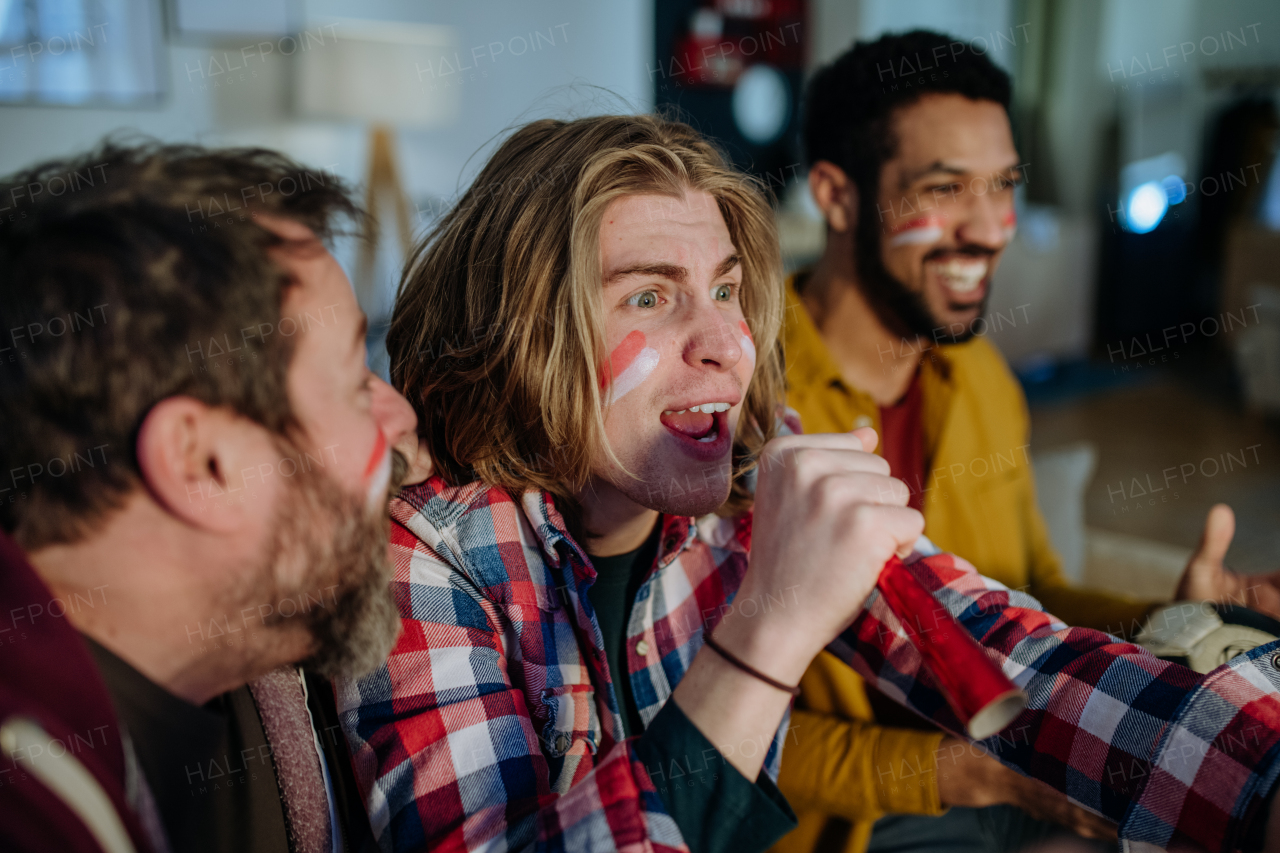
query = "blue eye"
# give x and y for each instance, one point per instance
(646, 299)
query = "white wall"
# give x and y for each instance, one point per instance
(590, 57)
(606, 45)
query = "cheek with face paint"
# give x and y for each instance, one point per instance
(747, 342)
(918, 231)
(630, 363)
(1010, 225)
(377, 473)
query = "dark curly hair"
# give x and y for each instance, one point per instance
(122, 271)
(849, 104)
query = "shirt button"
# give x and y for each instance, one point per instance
(642, 648)
(562, 743)
(670, 544)
(861, 421)
(1275, 660)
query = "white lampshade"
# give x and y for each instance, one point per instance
(377, 72)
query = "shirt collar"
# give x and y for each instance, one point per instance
(678, 532)
(809, 362)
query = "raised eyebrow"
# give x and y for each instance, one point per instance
(727, 264)
(674, 272)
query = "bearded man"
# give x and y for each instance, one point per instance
(913, 165)
(197, 462)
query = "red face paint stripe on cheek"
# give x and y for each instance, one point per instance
(375, 458)
(622, 356)
(746, 330)
(920, 222)
(1010, 219)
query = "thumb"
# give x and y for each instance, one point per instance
(1219, 528)
(868, 438)
(1204, 578)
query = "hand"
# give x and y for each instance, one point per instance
(1207, 579)
(414, 450)
(827, 517)
(967, 776)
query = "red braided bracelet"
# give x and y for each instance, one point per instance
(746, 667)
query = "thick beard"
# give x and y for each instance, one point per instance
(898, 308)
(341, 547)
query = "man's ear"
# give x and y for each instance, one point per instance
(835, 195)
(182, 451)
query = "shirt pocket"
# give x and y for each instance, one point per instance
(572, 719)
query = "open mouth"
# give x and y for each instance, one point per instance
(961, 276)
(705, 423)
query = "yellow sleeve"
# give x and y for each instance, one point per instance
(857, 769)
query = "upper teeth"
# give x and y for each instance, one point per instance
(963, 275)
(708, 408)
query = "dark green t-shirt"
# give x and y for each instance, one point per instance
(717, 809)
(618, 579)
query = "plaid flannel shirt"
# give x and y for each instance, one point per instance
(1179, 760)
(494, 724)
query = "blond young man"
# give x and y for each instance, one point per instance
(591, 659)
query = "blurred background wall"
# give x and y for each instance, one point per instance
(1148, 130)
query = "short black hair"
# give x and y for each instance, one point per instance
(122, 270)
(849, 103)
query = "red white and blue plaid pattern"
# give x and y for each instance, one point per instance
(1179, 760)
(494, 724)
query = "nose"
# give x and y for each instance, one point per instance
(393, 414)
(713, 339)
(984, 226)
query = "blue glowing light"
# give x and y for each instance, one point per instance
(1175, 188)
(1145, 207)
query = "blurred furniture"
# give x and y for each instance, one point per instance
(1092, 557)
(1062, 475)
(1132, 565)
(1251, 291)
(380, 74)
(1042, 295)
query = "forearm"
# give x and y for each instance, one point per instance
(731, 707)
(1086, 721)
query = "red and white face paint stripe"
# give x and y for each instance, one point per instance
(924, 229)
(630, 363)
(1010, 225)
(746, 341)
(377, 473)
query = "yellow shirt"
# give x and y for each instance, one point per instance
(841, 771)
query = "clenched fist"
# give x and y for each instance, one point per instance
(827, 518)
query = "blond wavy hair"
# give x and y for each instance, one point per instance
(497, 338)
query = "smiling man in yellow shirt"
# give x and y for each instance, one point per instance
(913, 165)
